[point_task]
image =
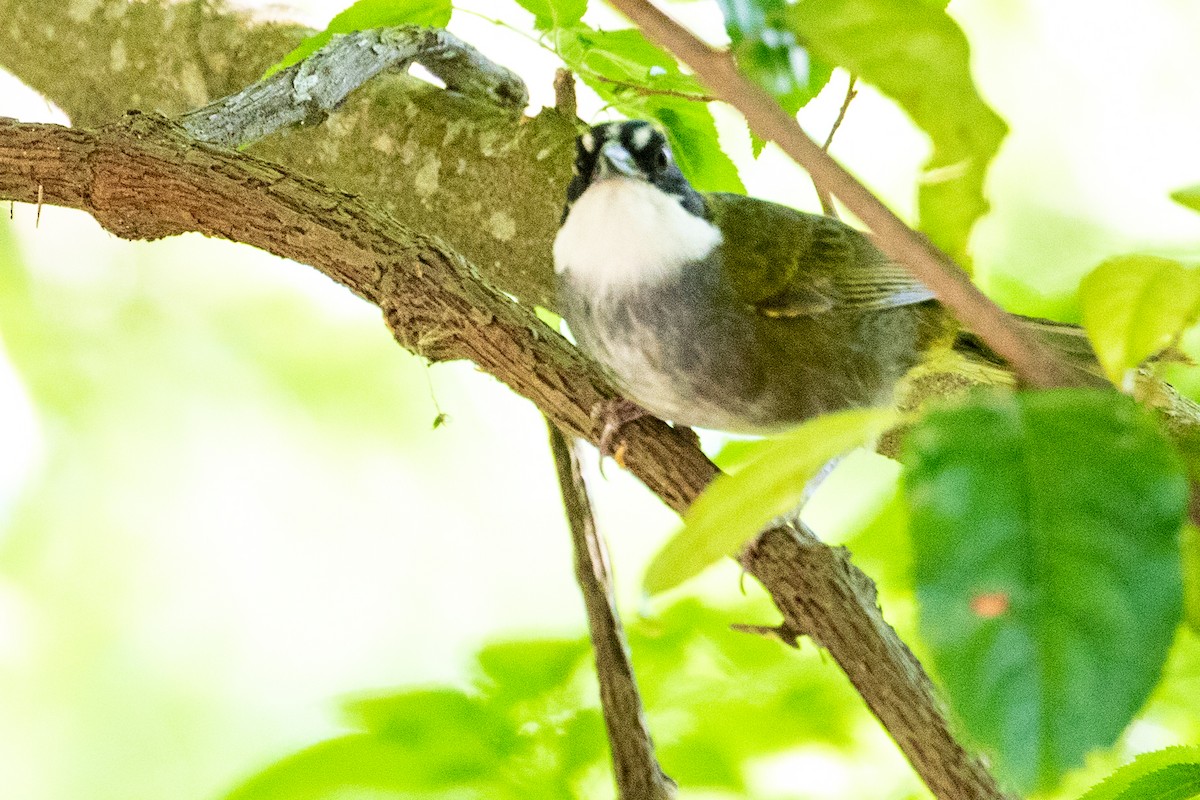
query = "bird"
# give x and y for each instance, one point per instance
(723, 311)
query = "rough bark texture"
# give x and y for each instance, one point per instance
(308, 92)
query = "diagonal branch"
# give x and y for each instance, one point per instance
(637, 771)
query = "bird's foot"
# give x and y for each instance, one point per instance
(612, 416)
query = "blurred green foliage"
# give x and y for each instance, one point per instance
(734, 508)
(1136, 306)
(530, 726)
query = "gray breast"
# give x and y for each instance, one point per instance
(689, 352)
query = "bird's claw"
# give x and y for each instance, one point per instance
(612, 416)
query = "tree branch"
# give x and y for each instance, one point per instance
(638, 773)
(438, 162)
(309, 91)
(1030, 358)
(144, 179)
(827, 206)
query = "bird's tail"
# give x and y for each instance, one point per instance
(1069, 342)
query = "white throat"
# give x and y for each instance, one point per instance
(623, 233)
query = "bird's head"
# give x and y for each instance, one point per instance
(631, 218)
(633, 149)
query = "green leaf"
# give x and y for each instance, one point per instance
(549, 14)
(1045, 530)
(367, 14)
(1136, 306)
(736, 507)
(642, 81)
(767, 51)
(1170, 774)
(527, 669)
(914, 53)
(1188, 196)
(444, 725)
(363, 762)
(1190, 549)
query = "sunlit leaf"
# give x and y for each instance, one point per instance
(444, 725)
(363, 762)
(549, 14)
(767, 51)
(531, 668)
(736, 507)
(1045, 531)
(1170, 774)
(643, 81)
(1135, 306)
(366, 14)
(717, 688)
(1189, 196)
(914, 53)
(1190, 547)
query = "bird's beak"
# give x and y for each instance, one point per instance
(615, 160)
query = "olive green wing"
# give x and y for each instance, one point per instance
(786, 263)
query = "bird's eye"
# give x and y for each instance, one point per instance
(662, 160)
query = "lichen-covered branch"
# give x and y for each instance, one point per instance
(309, 91)
(442, 163)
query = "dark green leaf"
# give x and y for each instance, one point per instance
(1171, 774)
(367, 14)
(736, 507)
(1045, 531)
(1135, 306)
(549, 14)
(642, 81)
(767, 51)
(913, 52)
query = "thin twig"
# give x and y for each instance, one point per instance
(647, 91)
(822, 193)
(635, 767)
(851, 93)
(1029, 357)
(564, 92)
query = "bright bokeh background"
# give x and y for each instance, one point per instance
(222, 502)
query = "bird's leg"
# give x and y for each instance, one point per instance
(612, 415)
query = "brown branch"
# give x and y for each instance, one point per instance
(823, 194)
(1029, 357)
(638, 773)
(823, 595)
(144, 179)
